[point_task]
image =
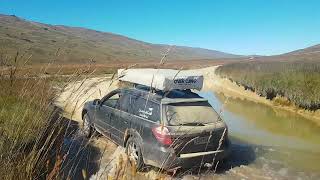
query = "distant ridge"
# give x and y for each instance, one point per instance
(309, 50)
(79, 45)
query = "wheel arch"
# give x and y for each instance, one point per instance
(132, 133)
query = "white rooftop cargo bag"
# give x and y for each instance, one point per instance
(163, 79)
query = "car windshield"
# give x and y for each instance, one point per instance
(190, 113)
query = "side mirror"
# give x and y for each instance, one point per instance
(96, 102)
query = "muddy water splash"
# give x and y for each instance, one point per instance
(283, 144)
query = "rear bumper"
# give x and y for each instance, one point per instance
(166, 158)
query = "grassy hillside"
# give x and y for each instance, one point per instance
(295, 76)
(79, 45)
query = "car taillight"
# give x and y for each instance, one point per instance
(162, 134)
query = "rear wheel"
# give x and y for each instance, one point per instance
(133, 150)
(86, 127)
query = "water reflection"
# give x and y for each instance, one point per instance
(246, 119)
(282, 136)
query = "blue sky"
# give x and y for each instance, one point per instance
(245, 27)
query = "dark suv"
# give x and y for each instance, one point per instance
(163, 129)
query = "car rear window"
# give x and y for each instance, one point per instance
(189, 113)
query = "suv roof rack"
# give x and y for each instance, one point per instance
(175, 93)
(162, 79)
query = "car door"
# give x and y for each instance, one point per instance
(105, 115)
(123, 117)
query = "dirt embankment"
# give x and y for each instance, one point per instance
(222, 85)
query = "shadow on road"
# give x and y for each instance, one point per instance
(80, 159)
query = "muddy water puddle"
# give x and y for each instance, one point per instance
(268, 142)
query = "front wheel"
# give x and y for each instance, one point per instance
(86, 127)
(133, 150)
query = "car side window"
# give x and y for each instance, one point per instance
(113, 101)
(124, 103)
(146, 109)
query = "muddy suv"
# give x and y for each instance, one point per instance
(167, 130)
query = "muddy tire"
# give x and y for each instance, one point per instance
(133, 150)
(86, 127)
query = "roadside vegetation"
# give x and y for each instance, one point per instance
(30, 126)
(24, 114)
(32, 129)
(286, 82)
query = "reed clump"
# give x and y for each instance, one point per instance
(31, 128)
(24, 115)
(297, 80)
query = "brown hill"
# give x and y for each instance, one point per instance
(309, 50)
(79, 45)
